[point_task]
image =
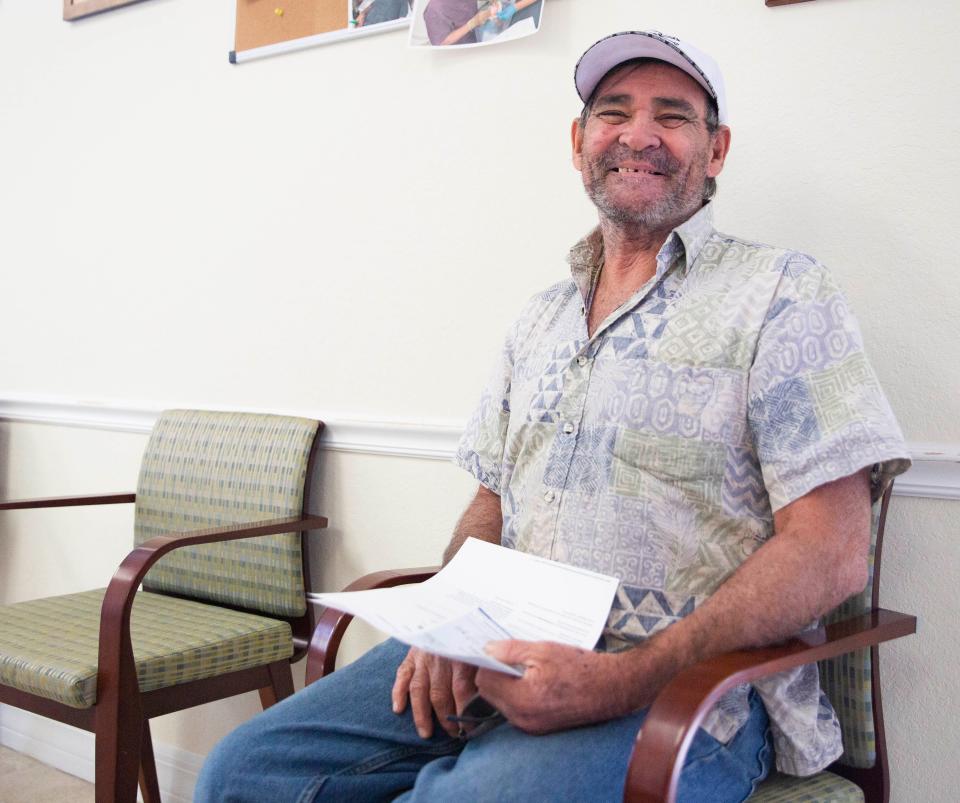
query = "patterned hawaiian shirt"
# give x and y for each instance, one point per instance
(731, 384)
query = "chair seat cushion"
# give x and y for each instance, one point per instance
(49, 647)
(824, 787)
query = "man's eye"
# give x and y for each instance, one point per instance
(612, 115)
(672, 120)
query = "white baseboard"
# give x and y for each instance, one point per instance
(71, 750)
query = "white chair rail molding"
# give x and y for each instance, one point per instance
(935, 473)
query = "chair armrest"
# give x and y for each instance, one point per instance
(68, 501)
(116, 671)
(681, 705)
(331, 625)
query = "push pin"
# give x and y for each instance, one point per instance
(278, 12)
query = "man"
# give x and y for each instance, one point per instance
(692, 413)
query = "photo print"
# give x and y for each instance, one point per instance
(468, 23)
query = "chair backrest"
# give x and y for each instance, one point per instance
(207, 469)
(851, 681)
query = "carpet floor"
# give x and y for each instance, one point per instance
(26, 780)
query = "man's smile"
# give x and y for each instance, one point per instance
(640, 171)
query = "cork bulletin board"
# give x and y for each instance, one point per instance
(266, 27)
(267, 22)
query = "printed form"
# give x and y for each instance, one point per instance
(488, 593)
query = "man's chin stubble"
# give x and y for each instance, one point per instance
(661, 216)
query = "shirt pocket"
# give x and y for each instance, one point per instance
(670, 401)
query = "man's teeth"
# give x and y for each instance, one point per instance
(636, 170)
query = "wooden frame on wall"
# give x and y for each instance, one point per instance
(75, 9)
(784, 2)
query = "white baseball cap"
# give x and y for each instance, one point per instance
(613, 50)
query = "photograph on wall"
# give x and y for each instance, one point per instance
(77, 9)
(469, 23)
(373, 12)
(267, 27)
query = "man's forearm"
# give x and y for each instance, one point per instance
(482, 519)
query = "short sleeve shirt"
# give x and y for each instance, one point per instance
(657, 450)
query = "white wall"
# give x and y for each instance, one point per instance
(352, 227)
(349, 230)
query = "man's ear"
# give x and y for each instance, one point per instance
(576, 138)
(719, 149)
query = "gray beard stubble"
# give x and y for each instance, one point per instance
(667, 213)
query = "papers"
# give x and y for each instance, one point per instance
(488, 593)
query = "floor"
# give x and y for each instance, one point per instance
(25, 780)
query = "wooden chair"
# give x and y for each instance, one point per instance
(220, 518)
(847, 652)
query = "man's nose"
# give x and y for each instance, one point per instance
(640, 134)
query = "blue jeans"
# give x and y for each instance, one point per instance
(339, 740)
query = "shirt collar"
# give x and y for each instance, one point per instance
(686, 241)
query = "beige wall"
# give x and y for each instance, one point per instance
(349, 230)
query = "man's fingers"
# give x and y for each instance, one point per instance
(441, 698)
(508, 652)
(420, 704)
(441, 692)
(401, 685)
(463, 684)
(431, 686)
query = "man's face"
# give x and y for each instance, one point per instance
(645, 151)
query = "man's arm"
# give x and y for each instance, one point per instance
(475, 21)
(430, 682)
(482, 519)
(816, 559)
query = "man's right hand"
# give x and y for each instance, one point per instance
(433, 684)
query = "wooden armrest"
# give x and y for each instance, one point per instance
(137, 563)
(675, 715)
(118, 600)
(68, 501)
(116, 670)
(332, 624)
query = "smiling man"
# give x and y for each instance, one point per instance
(690, 412)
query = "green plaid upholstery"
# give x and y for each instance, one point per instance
(847, 682)
(49, 647)
(847, 679)
(824, 787)
(207, 469)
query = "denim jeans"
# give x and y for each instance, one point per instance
(339, 740)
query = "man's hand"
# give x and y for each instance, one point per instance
(432, 684)
(561, 687)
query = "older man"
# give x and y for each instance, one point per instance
(690, 412)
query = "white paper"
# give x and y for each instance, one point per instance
(488, 593)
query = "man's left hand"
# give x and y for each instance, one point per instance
(561, 687)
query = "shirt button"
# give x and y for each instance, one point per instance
(550, 495)
(568, 428)
(581, 360)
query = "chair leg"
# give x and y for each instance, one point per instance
(281, 684)
(118, 759)
(149, 788)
